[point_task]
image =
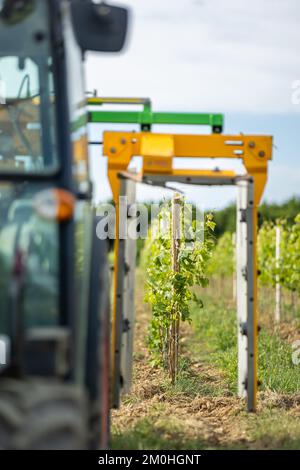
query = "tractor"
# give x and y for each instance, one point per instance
(54, 277)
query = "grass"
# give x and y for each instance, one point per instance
(155, 434)
(271, 429)
(215, 330)
(151, 434)
(275, 429)
(176, 418)
(192, 383)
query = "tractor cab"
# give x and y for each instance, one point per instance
(54, 313)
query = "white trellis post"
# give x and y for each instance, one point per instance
(246, 314)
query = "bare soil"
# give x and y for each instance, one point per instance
(179, 417)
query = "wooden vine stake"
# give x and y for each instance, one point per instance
(175, 314)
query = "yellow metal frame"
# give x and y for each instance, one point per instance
(158, 152)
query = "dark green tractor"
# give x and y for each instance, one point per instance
(54, 286)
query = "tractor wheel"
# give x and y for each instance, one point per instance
(42, 415)
(98, 345)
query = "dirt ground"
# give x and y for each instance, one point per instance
(180, 419)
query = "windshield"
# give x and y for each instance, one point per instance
(27, 140)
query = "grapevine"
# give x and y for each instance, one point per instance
(223, 257)
(287, 268)
(168, 292)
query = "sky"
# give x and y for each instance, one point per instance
(236, 57)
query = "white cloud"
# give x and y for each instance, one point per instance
(232, 55)
(207, 55)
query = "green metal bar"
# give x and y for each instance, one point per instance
(148, 117)
(130, 117)
(188, 119)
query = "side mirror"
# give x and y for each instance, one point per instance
(13, 11)
(99, 27)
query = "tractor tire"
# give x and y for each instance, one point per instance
(42, 415)
(98, 347)
(100, 412)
